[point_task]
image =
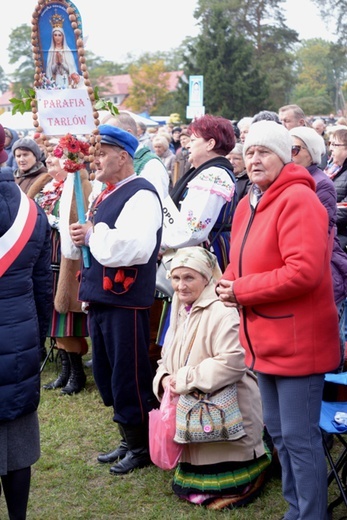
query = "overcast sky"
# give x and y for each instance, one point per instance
(114, 29)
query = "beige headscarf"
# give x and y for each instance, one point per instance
(200, 260)
(203, 262)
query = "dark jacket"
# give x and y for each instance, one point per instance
(25, 307)
(243, 184)
(326, 192)
(340, 183)
(5, 170)
(11, 161)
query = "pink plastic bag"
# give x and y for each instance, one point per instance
(164, 451)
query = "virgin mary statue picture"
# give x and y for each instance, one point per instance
(58, 43)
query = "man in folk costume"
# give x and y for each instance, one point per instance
(149, 166)
(124, 235)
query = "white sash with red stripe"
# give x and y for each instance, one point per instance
(13, 241)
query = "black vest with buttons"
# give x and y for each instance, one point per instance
(127, 286)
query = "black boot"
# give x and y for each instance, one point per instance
(64, 375)
(77, 379)
(137, 455)
(112, 456)
(119, 453)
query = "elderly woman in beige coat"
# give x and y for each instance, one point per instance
(202, 351)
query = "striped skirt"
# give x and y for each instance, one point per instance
(69, 324)
(225, 484)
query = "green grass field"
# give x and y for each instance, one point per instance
(69, 484)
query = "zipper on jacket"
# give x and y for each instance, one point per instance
(244, 312)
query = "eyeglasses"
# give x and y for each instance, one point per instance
(296, 149)
(336, 145)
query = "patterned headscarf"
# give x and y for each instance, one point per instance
(200, 260)
(203, 262)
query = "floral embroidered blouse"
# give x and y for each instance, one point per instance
(48, 198)
(206, 195)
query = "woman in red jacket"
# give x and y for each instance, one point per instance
(279, 276)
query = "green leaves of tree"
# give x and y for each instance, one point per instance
(101, 104)
(20, 52)
(23, 103)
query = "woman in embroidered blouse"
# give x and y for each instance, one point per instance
(205, 197)
(68, 323)
(202, 351)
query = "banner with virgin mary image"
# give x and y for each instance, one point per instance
(63, 98)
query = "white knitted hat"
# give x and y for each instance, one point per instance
(271, 135)
(312, 140)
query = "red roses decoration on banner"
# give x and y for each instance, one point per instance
(74, 152)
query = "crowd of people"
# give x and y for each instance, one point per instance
(255, 251)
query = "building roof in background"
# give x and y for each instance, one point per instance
(5, 98)
(120, 84)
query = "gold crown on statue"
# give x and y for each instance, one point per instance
(57, 21)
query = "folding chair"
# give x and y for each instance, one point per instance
(337, 461)
(50, 354)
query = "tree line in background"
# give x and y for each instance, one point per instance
(249, 58)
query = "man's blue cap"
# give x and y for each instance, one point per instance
(115, 136)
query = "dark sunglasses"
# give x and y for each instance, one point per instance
(296, 149)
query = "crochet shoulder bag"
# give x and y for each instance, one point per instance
(208, 417)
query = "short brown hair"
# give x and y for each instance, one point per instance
(297, 111)
(340, 135)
